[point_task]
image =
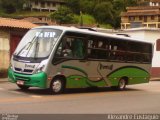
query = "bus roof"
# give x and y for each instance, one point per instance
(86, 31)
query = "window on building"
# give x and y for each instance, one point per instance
(152, 17)
(158, 45)
(48, 4)
(36, 3)
(140, 17)
(131, 18)
(53, 4)
(145, 18)
(42, 4)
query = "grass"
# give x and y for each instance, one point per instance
(90, 20)
(87, 19)
(24, 14)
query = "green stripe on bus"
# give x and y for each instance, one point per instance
(135, 75)
(77, 81)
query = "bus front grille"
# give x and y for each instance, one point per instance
(23, 70)
(22, 78)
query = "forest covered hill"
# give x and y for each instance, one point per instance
(100, 12)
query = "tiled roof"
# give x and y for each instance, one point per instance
(13, 23)
(143, 8)
(60, 1)
(154, 0)
(139, 13)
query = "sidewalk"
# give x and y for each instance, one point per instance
(155, 79)
(3, 80)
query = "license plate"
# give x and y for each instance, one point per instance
(19, 82)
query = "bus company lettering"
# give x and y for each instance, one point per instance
(110, 67)
(29, 66)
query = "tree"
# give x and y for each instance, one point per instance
(119, 5)
(74, 5)
(103, 13)
(63, 15)
(87, 6)
(11, 6)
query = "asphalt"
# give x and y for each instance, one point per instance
(152, 79)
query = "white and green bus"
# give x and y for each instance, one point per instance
(57, 58)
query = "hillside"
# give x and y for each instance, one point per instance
(98, 12)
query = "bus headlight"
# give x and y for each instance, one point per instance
(11, 66)
(39, 69)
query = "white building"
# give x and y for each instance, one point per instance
(44, 5)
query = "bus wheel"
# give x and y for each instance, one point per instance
(23, 87)
(57, 86)
(121, 84)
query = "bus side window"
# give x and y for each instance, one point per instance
(78, 48)
(112, 50)
(92, 49)
(98, 48)
(117, 50)
(66, 49)
(102, 52)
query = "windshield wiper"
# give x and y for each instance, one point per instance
(36, 49)
(29, 44)
(24, 48)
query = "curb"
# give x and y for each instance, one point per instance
(3, 80)
(155, 79)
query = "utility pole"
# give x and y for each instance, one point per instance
(81, 18)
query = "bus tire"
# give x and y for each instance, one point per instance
(23, 87)
(57, 86)
(122, 84)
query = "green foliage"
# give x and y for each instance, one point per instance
(74, 5)
(87, 6)
(11, 6)
(119, 5)
(103, 13)
(87, 19)
(63, 15)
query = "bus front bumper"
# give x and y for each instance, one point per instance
(35, 80)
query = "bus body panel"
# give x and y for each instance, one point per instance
(134, 75)
(101, 74)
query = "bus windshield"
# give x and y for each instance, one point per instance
(37, 43)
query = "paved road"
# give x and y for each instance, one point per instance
(143, 98)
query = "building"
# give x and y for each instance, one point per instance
(39, 20)
(144, 16)
(44, 5)
(154, 3)
(11, 32)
